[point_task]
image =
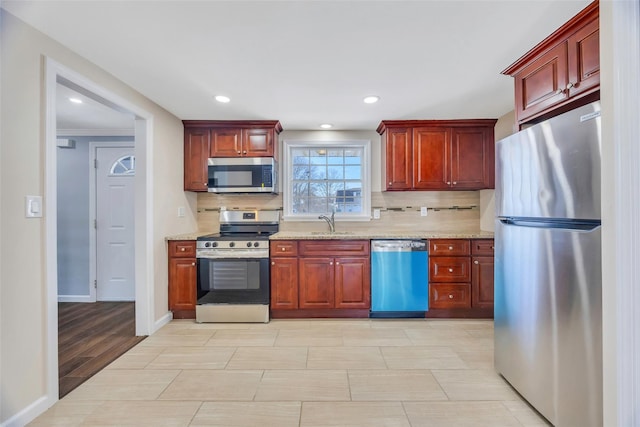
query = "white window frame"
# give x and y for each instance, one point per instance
(287, 182)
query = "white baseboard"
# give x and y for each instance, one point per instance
(29, 413)
(75, 298)
(162, 321)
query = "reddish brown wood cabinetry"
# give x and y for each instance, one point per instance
(460, 278)
(216, 138)
(182, 279)
(332, 278)
(561, 72)
(437, 154)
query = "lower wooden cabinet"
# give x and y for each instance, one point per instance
(326, 278)
(461, 278)
(182, 279)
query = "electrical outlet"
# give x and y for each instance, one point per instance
(376, 214)
(423, 211)
(180, 211)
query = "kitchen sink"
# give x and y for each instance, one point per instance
(330, 233)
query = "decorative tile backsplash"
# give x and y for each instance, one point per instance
(399, 211)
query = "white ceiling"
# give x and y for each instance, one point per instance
(307, 62)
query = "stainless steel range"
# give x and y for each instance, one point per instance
(233, 268)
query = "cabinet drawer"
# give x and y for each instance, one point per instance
(449, 269)
(449, 295)
(482, 247)
(182, 248)
(283, 248)
(448, 247)
(333, 247)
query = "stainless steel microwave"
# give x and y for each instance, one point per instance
(242, 175)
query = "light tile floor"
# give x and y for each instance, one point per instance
(302, 373)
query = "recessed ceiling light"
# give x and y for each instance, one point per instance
(371, 99)
(76, 100)
(326, 126)
(222, 98)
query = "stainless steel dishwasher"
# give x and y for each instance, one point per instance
(399, 278)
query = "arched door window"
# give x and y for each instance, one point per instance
(124, 166)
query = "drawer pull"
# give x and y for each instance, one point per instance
(476, 262)
(182, 249)
(273, 263)
(451, 270)
(450, 296)
(331, 263)
(284, 249)
(450, 248)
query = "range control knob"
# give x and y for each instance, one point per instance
(256, 244)
(207, 244)
(232, 244)
(214, 244)
(248, 244)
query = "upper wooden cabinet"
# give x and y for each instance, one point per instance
(217, 138)
(561, 72)
(437, 154)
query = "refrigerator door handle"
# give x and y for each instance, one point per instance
(584, 225)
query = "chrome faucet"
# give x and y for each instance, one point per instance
(331, 221)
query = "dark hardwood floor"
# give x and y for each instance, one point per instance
(90, 336)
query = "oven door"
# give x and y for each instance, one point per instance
(233, 280)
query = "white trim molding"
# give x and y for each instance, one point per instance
(620, 93)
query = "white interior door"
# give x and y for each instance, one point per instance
(115, 262)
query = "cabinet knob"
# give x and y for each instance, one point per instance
(273, 263)
(450, 296)
(455, 182)
(476, 262)
(193, 264)
(330, 262)
(448, 182)
(559, 91)
(238, 151)
(244, 152)
(337, 262)
(390, 183)
(570, 85)
(450, 248)
(451, 270)
(182, 249)
(284, 249)
(492, 248)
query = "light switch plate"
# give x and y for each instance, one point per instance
(33, 206)
(376, 214)
(423, 211)
(180, 211)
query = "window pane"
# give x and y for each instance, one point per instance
(301, 172)
(318, 189)
(335, 172)
(318, 205)
(318, 172)
(353, 156)
(352, 172)
(300, 156)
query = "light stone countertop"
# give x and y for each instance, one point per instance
(375, 234)
(351, 235)
(188, 236)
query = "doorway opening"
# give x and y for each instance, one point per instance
(141, 236)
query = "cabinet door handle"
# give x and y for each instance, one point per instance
(455, 182)
(450, 296)
(559, 91)
(193, 264)
(330, 262)
(238, 151)
(450, 248)
(569, 85)
(390, 184)
(476, 262)
(273, 263)
(182, 249)
(244, 152)
(337, 262)
(451, 270)
(448, 182)
(284, 249)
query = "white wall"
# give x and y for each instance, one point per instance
(73, 215)
(23, 284)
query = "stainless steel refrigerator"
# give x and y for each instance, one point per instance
(548, 284)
